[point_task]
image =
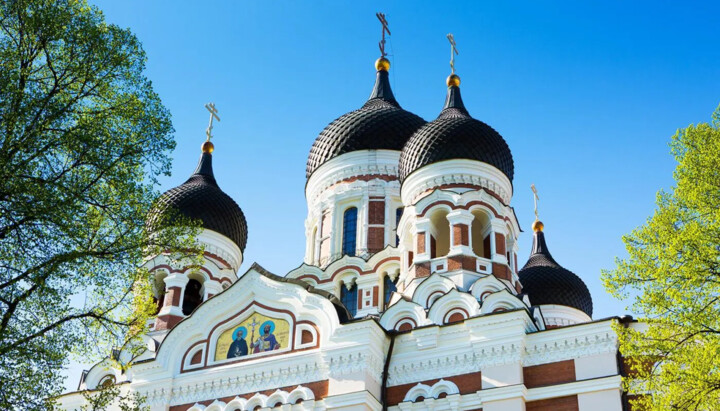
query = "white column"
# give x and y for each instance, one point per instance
(422, 226)
(211, 287)
(459, 216)
(179, 280)
(361, 248)
(498, 226)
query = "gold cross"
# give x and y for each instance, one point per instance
(381, 17)
(453, 52)
(535, 195)
(213, 116)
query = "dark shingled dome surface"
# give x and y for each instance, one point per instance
(546, 282)
(380, 124)
(455, 135)
(201, 198)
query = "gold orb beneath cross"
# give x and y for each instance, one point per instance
(453, 80)
(382, 64)
(208, 147)
(538, 226)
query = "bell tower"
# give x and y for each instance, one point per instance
(180, 285)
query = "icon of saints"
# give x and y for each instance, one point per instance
(266, 341)
(239, 347)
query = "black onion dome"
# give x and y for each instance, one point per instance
(379, 124)
(200, 198)
(455, 135)
(546, 282)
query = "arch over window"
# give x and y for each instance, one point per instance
(192, 296)
(107, 381)
(349, 238)
(349, 298)
(389, 287)
(480, 242)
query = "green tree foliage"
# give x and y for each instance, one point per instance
(104, 397)
(83, 137)
(673, 273)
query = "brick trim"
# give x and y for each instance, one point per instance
(569, 403)
(553, 373)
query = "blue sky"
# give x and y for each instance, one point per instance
(587, 95)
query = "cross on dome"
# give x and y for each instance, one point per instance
(453, 52)
(383, 21)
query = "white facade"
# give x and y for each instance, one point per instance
(408, 298)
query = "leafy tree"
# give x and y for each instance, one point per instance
(83, 137)
(673, 273)
(105, 397)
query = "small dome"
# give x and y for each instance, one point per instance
(546, 282)
(200, 198)
(455, 135)
(380, 124)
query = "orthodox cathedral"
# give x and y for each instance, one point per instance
(410, 296)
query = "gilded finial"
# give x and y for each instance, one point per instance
(385, 29)
(453, 80)
(382, 64)
(207, 146)
(537, 224)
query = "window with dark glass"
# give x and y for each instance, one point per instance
(349, 298)
(398, 215)
(349, 231)
(388, 288)
(192, 297)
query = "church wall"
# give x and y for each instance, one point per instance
(466, 384)
(319, 389)
(600, 400)
(366, 180)
(569, 403)
(596, 366)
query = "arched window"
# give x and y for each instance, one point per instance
(349, 298)
(388, 288)
(398, 215)
(480, 243)
(192, 296)
(107, 381)
(440, 238)
(349, 231)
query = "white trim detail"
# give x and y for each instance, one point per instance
(561, 315)
(403, 309)
(432, 284)
(451, 302)
(455, 171)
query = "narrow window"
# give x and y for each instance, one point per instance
(192, 297)
(398, 215)
(388, 288)
(349, 298)
(349, 231)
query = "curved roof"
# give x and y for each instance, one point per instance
(547, 282)
(200, 198)
(379, 124)
(455, 135)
